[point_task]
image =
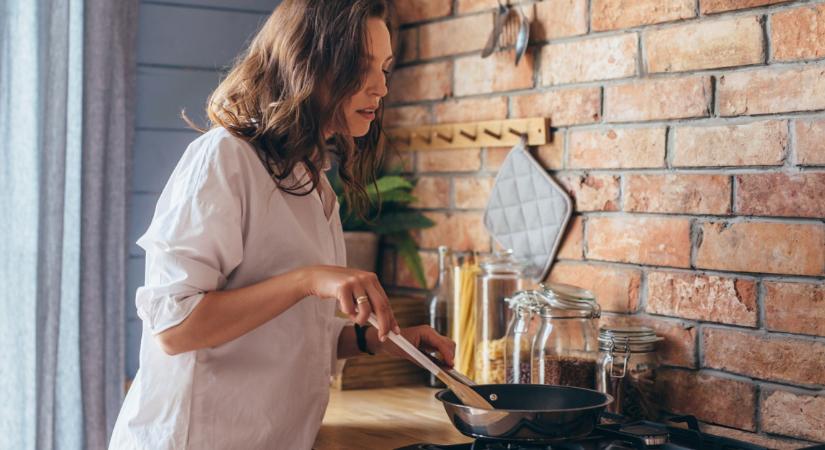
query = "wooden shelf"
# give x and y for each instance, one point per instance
(490, 133)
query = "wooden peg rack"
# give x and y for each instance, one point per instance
(491, 133)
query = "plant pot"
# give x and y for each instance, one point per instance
(362, 250)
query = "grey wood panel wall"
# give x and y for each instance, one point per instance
(184, 47)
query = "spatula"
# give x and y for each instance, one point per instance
(464, 393)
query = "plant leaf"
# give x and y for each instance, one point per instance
(388, 183)
(397, 196)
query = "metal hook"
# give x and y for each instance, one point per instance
(517, 133)
(469, 136)
(494, 135)
(428, 139)
(448, 139)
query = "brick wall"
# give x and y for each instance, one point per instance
(691, 134)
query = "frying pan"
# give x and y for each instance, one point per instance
(526, 412)
(521, 412)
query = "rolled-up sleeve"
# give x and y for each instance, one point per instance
(195, 239)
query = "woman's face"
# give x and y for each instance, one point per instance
(359, 109)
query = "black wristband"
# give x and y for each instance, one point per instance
(361, 339)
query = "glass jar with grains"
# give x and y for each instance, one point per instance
(521, 331)
(626, 370)
(565, 348)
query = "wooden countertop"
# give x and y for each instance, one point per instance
(385, 418)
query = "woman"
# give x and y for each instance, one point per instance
(245, 253)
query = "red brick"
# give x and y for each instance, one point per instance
(592, 192)
(781, 194)
(795, 307)
(679, 345)
(495, 157)
(639, 240)
(402, 116)
(702, 297)
(432, 192)
(406, 278)
(658, 99)
(708, 397)
(461, 231)
(794, 414)
(765, 356)
(616, 288)
(409, 45)
(704, 45)
(550, 155)
(587, 60)
(565, 107)
(798, 33)
(753, 438)
(421, 82)
(571, 247)
(465, 6)
(409, 11)
(472, 192)
(558, 18)
(474, 75)
(619, 148)
(449, 37)
(768, 247)
(810, 142)
(615, 14)
(766, 91)
(715, 6)
(752, 144)
(470, 110)
(678, 193)
(450, 160)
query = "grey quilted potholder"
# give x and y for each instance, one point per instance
(527, 211)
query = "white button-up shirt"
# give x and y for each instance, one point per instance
(221, 223)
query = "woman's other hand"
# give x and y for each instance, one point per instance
(426, 339)
(359, 293)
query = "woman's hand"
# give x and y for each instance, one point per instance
(358, 293)
(426, 339)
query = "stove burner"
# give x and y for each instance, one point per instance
(615, 434)
(649, 434)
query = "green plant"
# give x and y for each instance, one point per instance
(389, 216)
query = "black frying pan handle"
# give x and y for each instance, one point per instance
(691, 421)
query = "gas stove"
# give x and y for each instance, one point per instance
(616, 434)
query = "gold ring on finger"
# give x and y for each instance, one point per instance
(362, 299)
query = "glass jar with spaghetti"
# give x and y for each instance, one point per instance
(499, 278)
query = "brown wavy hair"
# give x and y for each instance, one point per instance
(289, 86)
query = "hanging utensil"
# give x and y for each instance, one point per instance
(498, 26)
(523, 34)
(509, 33)
(468, 397)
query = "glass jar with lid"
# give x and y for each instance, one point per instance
(626, 370)
(521, 330)
(500, 277)
(565, 348)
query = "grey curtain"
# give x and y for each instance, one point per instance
(66, 123)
